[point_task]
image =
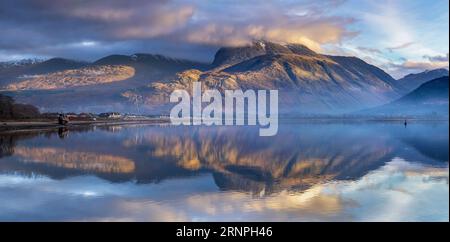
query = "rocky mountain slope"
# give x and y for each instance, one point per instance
(74, 77)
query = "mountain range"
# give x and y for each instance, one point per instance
(413, 81)
(308, 82)
(429, 99)
(23, 62)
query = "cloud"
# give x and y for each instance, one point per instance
(437, 58)
(304, 22)
(399, 47)
(430, 63)
(397, 191)
(97, 20)
(48, 28)
(415, 65)
(291, 31)
(369, 50)
(399, 70)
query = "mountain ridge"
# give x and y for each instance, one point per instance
(308, 81)
(429, 99)
(414, 80)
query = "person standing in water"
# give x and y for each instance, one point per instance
(406, 123)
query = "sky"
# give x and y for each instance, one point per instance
(399, 36)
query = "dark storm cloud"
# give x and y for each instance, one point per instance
(47, 27)
(191, 29)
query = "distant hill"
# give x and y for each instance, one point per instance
(61, 84)
(413, 81)
(435, 90)
(23, 62)
(13, 73)
(430, 99)
(55, 64)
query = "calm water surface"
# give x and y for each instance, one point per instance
(318, 171)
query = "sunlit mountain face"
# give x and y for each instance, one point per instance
(301, 169)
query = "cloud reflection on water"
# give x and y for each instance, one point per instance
(398, 191)
(322, 172)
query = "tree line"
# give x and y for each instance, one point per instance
(9, 109)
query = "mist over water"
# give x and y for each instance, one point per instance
(309, 171)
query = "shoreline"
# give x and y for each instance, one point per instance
(19, 125)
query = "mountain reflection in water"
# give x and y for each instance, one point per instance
(308, 171)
